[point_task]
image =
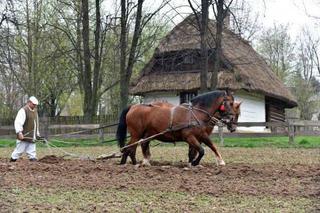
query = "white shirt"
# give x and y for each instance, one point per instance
(20, 120)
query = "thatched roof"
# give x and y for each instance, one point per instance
(249, 70)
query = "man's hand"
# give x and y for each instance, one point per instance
(20, 136)
(40, 138)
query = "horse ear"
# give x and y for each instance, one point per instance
(238, 103)
(229, 92)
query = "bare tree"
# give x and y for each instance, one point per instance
(304, 82)
(31, 54)
(128, 56)
(202, 18)
(243, 21)
(91, 79)
(220, 9)
(307, 56)
(277, 48)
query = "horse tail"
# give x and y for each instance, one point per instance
(122, 128)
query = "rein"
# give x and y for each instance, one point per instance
(212, 120)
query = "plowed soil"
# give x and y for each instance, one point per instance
(234, 178)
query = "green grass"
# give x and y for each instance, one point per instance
(277, 142)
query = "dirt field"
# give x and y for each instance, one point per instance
(56, 183)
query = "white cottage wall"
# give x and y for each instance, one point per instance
(252, 107)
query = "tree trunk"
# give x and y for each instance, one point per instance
(134, 44)
(30, 88)
(204, 48)
(218, 46)
(97, 60)
(123, 49)
(79, 46)
(87, 87)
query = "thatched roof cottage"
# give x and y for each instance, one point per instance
(173, 73)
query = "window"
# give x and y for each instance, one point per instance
(188, 59)
(185, 97)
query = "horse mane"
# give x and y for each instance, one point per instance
(206, 99)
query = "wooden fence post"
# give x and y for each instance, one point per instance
(291, 131)
(45, 120)
(101, 134)
(220, 130)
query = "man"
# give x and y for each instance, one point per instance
(26, 126)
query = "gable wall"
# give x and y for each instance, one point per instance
(252, 107)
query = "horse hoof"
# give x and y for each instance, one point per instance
(145, 163)
(136, 166)
(199, 166)
(221, 162)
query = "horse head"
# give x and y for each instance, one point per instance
(229, 111)
(221, 105)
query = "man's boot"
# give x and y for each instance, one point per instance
(13, 160)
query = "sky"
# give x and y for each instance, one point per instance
(296, 13)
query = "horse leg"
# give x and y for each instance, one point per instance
(132, 154)
(208, 142)
(124, 157)
(192, 154)
(194, 143)
(130, 151)
(146, 153)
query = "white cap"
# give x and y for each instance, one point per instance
(34, 100)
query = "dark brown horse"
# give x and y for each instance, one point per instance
(192, 123)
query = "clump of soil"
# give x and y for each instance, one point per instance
(51, 159)
(267, 179)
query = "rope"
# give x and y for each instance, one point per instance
(112, 140)
(74, 143)
(82, 157)
(143, 140)
(87, 130)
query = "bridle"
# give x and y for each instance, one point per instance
(226, 112)
(212, 119)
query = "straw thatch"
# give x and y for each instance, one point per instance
(247, 69)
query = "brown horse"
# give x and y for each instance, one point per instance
(192, 123)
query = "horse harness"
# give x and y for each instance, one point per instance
(211, 122)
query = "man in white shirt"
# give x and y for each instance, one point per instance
(26, 126)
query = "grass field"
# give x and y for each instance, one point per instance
(278, 142)
(261, 175)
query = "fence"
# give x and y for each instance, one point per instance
(63, 125)
(67, 120)
(291, 128)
